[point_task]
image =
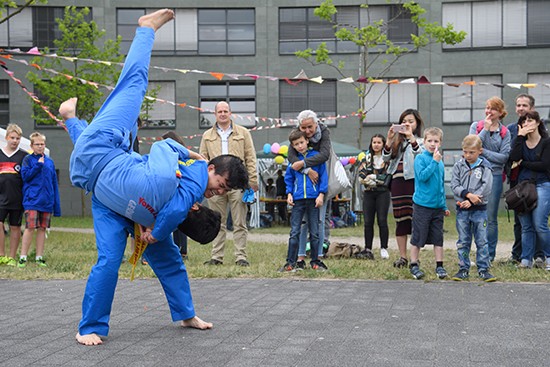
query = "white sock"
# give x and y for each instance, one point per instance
(38, 258)
(23, 257)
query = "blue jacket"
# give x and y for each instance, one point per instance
(299, 184)
(40, 189)
(429, 182)
(130, 184)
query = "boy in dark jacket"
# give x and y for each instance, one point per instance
(306, 198)
(40, 197)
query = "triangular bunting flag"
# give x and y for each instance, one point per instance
(318, 80)
(218, 76)
(423, 80)
(301, 75)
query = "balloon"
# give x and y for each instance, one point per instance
(344, 161)
(275, 148)
(283, 150)
(267, 148)
(279, 159)
(352, 160)
(361, 156)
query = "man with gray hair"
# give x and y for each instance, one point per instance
(319, 140)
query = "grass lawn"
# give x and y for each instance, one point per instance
(71, 255)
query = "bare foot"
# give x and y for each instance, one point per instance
(157, 19)
(197, 323)
(67, 109)
(88, 339)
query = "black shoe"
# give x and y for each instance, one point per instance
(461, 275)
(242, 262)
(441, 272)
(365, 254)
(300, 265)
(213, 262)
(401, 263)
(318, 265)
(287, 268)
(486, 276)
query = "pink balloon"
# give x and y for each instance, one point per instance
(275, 148)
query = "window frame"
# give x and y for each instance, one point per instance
(213, 99)
(5, 98)
(287, 114)
(392, 113)
(159, 123)
(498, 91)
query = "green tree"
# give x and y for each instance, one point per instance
(377, 53)
(80, 39)
(4, 4)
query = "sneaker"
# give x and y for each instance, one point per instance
(22, 263)
(287, 268)
(300, 265)
(41, 263)
(401, 263)
(365, 254)
(539, 263)
(461, 275)
(213, 262)
(486, 276)
(11, 262)
(416, 272)
(441, 272)
(319, 266)
(525, 264)
(384, 254)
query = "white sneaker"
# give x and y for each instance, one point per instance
(384, 253)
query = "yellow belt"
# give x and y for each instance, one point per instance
(139, 248)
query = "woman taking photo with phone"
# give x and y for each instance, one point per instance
(402, 145)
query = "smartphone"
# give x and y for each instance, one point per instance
(398, 128)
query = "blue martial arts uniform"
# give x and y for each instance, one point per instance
(158, 189)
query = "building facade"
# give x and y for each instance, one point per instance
(243, 52)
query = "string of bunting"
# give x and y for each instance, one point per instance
(293, 81)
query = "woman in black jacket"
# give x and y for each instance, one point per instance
(531, 151)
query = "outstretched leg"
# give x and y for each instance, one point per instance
(110, 131)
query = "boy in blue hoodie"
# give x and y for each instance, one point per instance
(471, 184)
(306, 198)
(40, 197)
(429, 204)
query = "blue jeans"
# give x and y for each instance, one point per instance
(321, 226)
(534, 225)
(492, 214)
(303, 207)
(468, 223)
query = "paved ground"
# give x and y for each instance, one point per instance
(285, 322)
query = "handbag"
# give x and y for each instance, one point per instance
(383, 180)
(338, 180)
(522, 198)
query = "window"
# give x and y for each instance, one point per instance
(162, 114)
(499, 23)
(464, 104)
(196, 31)
(226, 32)
(384, 103)
(541, 94)
(241, 97)
(320, 98)
(4, 103)
(300, 28)
(33, 26)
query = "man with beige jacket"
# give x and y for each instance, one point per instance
(226, 137)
